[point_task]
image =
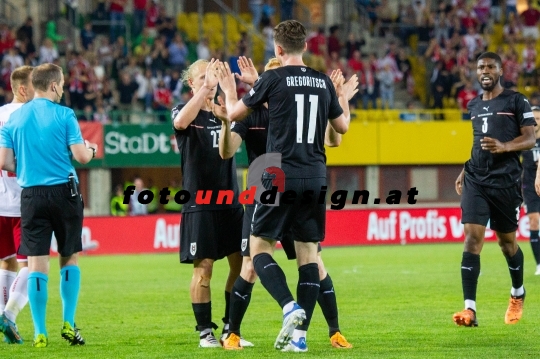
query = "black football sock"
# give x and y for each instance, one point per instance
(470, 270)
(226, 318)
(535, 244)
(272, 278)
(203, 316)
(307, 291)
(515, 265)
(240, 298)
(328, 303)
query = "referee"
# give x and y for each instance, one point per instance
(43, 137)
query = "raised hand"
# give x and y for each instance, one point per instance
(211, 79)
(249, 72)
(219, 110)
(337, 79)
(226, 78)
(350, 88)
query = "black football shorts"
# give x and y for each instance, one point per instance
(210, 234)
(499, 206)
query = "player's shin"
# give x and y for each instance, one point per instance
(328, 303)
(18, 295)
(307, 293)
(38, 296)
(240, 298)
(515, 266)
(272, 278)
(6, 279)
(70, 286)
(470, 270)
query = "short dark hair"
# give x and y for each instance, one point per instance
(490, 55)
(291, 36)
(44, 75)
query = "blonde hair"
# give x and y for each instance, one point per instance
(272, 63)
(187, 74)
(20, 76)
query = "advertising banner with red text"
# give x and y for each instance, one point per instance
(161, 233)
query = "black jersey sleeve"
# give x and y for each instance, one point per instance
(335, 109)
(259, 93)
(523, 112)
(241, 128)
(174, 112)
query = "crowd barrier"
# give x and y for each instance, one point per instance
(160, 233)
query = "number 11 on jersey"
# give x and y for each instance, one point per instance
(314, 106)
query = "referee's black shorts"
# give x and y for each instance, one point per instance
(48, 209)
(210, 234)
(499, 206)
(306, 219)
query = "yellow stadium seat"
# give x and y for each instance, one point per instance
(182, 21)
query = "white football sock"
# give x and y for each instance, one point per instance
(297, 334)
(470, 304)
(517, 292)
(6, 279)
(18, 295)
(288, 307)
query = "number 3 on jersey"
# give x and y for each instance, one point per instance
(314, 106)
(484, 125)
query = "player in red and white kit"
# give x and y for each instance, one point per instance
(13, 286)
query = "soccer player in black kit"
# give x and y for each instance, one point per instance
(254, 131)
(300, 102)
(208, 232)
(531, 198)
(489, 185)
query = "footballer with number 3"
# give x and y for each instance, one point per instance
(490, 184)
(300, 102)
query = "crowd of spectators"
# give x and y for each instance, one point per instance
(451, 33)
(103, 73)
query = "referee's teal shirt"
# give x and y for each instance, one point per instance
(40, 133)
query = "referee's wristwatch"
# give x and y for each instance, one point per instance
(93, 151)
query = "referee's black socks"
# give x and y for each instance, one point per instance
(273, 278)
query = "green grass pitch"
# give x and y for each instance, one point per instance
(394, 302)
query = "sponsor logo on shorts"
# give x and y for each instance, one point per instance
(244, 243)
(193, 248)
